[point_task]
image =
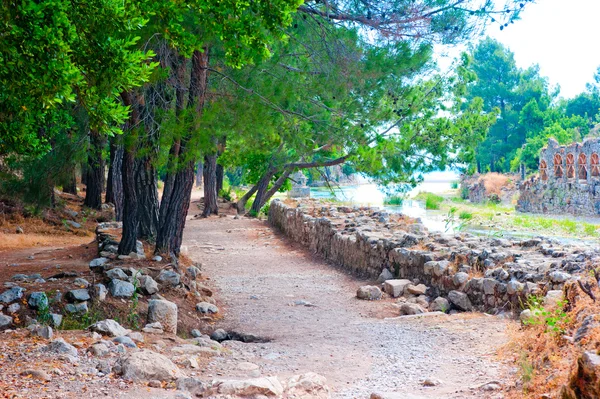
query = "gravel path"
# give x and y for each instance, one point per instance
(265, 283)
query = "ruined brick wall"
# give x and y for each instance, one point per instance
(493, 273)
(568, 180)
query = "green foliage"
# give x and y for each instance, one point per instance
(464, 215)
(454, 185)
(432, 201)
(133, 318)
(554, 320)
(226, 194)
(81, 321)
(394, 200)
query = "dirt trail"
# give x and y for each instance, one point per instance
(262, 280)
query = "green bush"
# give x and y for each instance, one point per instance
(432, 201)
(464, 215)
(454, 185)
(464, 192)
(226, 194)
(494, 199)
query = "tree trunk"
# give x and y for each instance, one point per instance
(147, 189)
(130, 198)
(276, 186)
(70, 187)
(172, 217)
(241, 204)
(117, 183)
(263, 185)
(95, 177)
(220, 175)
(199, 172)
(211, 206)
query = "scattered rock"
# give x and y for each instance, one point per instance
(99, 291)
(395, 288)
(13, 308)
(369, 292)
(73, 224)
(127, 341)
(553, 297)
(98, 264)
(169, 277)
(386, 274)
(41, 331)
(121, 289)
(37, 300)
(56, 319)
(109, 327)
(12, 295)
(19, 230)
(5, 321)
(80, 295)
(193, 272)
(116, 273)
(268, 386)
(136, 336)
(205, 307)
(153, 328)
(219, 335)
(165, 312)
(196, 333)
(98, 350)
(431, 382)
(81, 282)
(37, 374)
(559, 277)
(439, 304)
(416, 289)
(410, 309)
(59, 346)
(460, 300)
(146, 365)
(157, 258)
(460, 278)
(307, 385)
(148, 285)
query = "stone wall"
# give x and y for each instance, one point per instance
(568, 180)
(493, 273)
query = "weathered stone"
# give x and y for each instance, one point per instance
(460, 300)
(460, 278)
(193, 272)
(136, 336)
(205, 307)
(440, 304)
(37, 300)
(79, 295)
(109, 327)
(369, 292)
(169, 277)
(148, 285)
(81, 282)
(56, 319)
(153, 328)
(395, 288)
(410, 309)
(60, 347)
(146, 365)
(307, 385)
(98, 264)
(41, 331)
(489, 286)
(99, 291)
(514, 287)
(116, 273)
(127, 341)
(559, 277)
(36, 374)
(13, 308)
(196, 333)
(440, 268)
(5, 321)
(420, 289)
(386, 274)
(12, 295)
(219, 335)
(553, 297)
(268, 386)
(165, 312)
(98, 350)
(121, 289)
(79, 308)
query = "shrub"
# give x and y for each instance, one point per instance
(464, 192)
(393, 200)
(225, 194)
(464, 215)
(454, 185)
(432, 201)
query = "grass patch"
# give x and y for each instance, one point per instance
(464, 215)
(454, 185)
(432, 201)
(393, 200)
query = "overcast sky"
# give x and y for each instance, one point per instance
(561, 36)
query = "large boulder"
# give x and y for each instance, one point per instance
(439, 304)
(369, 292)
(268, 386)
(148, 285)
(146, 365)
(116, 273)
(109, 327)
(37, 300)
(80, 295)
(164, 312)
(99, 264)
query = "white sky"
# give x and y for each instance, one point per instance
(561, 36)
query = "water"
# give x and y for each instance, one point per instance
(370, 195)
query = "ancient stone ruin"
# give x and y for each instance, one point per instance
(568, 180)
(481, 273)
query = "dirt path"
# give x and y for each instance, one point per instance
(262, 279)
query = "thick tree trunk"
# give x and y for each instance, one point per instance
(147, 189)
(263, 185)
(211, 206)
(199, 172)
(130, 198)
(241, 204)
(95, 176)
(172, 216)
(116, 178)
(220, 175)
